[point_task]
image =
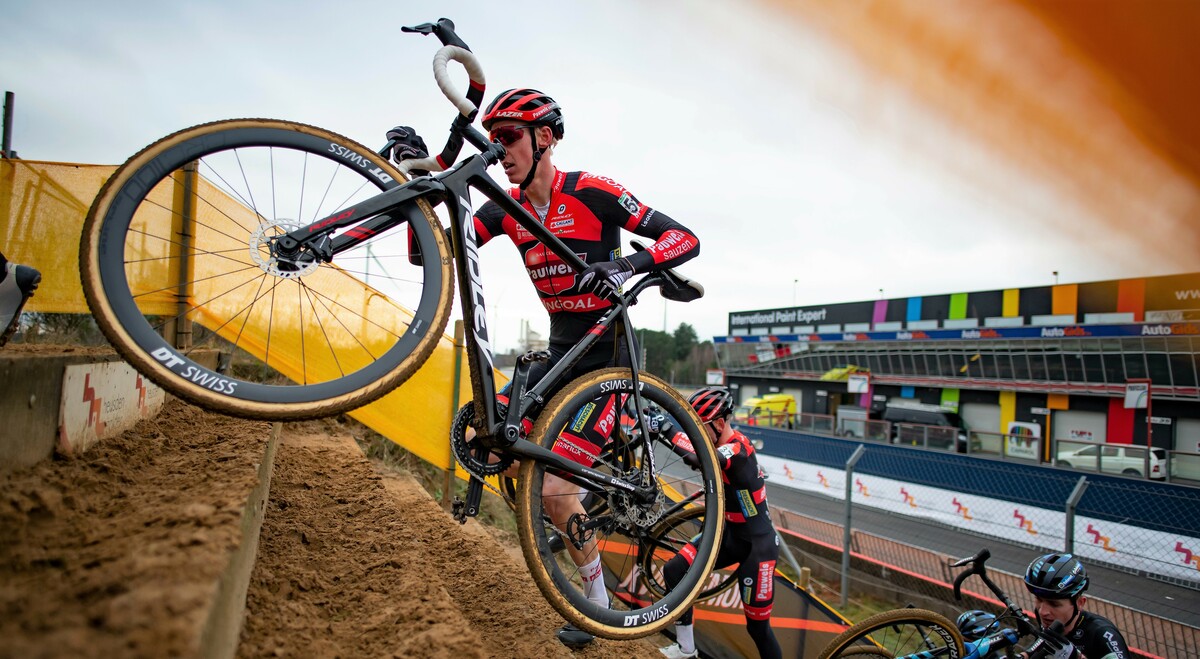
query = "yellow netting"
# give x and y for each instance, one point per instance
(42, 208)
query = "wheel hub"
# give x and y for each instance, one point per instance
(267, 254)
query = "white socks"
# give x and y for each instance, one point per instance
(686, 638)
(593, 582)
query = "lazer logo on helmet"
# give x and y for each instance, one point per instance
(508, 114)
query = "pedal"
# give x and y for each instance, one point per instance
(469, 508)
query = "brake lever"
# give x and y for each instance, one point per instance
(443, 30)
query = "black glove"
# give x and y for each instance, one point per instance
(605, 278)
(1053, 645)
(655, 421)
(408, 146)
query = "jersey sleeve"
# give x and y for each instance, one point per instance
(489, 222)
(731, 454)
(674, 243)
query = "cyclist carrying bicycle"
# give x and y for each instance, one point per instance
(587, 212)
(1057, 583)
(749, 538)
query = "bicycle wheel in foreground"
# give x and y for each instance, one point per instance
(899, 633)
(614, 521)
(178, 243)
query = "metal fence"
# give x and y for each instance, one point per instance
(1107, 458)
(883, 566)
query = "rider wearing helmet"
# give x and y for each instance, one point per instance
(976, 624)
(1057, 582)
(749, 539)
(587, 213)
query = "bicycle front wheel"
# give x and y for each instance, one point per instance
(178, 244)
(609, 522)
(899, 633)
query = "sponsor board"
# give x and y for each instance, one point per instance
(102, 400)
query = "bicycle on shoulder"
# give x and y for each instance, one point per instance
(912, 633)
(321, 279)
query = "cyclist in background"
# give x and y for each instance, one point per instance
(587, 212)
(1057, 583)
(749, 537)
(975, 624)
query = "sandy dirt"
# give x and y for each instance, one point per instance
(118, 552)
(356, 561)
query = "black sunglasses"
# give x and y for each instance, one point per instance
(507, 135)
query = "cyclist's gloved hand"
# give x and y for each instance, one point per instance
(408, 146)
(605, 278)
(656, 422)
(1053, 646)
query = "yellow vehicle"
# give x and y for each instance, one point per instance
(771, 410)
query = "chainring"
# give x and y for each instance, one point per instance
(464, 450)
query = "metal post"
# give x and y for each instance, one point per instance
(187, 230)
(6, 144)
(787, 552)
(1149, 429)
(447, 498)
(1072, 501)
(846, 526)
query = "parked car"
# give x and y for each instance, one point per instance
(914, 420)
(1116, 459)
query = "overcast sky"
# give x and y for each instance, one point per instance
(808, 178)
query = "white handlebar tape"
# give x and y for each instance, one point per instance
(474, 71)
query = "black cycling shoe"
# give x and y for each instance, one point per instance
(574, 637)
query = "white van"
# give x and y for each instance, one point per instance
(1116, 459)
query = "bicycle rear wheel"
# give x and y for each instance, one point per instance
(899, 633)
(614, 520)
(177, 244)
(663, 542)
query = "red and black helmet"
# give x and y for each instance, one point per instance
(526, 106)
(712, 403)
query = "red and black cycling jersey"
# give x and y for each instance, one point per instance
(745, 488)
(587, 212)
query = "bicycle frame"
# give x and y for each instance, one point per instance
(452, 187)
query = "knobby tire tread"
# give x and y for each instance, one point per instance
(525, 520)
(112, 326)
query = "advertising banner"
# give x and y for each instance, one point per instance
(102, 400)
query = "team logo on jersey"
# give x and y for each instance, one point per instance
(629, 203)
(561, 224)
(562, 208)
(548, 272)
(582, 416)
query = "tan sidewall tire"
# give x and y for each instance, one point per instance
(111, 326)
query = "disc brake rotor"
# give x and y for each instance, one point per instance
(264, 254)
